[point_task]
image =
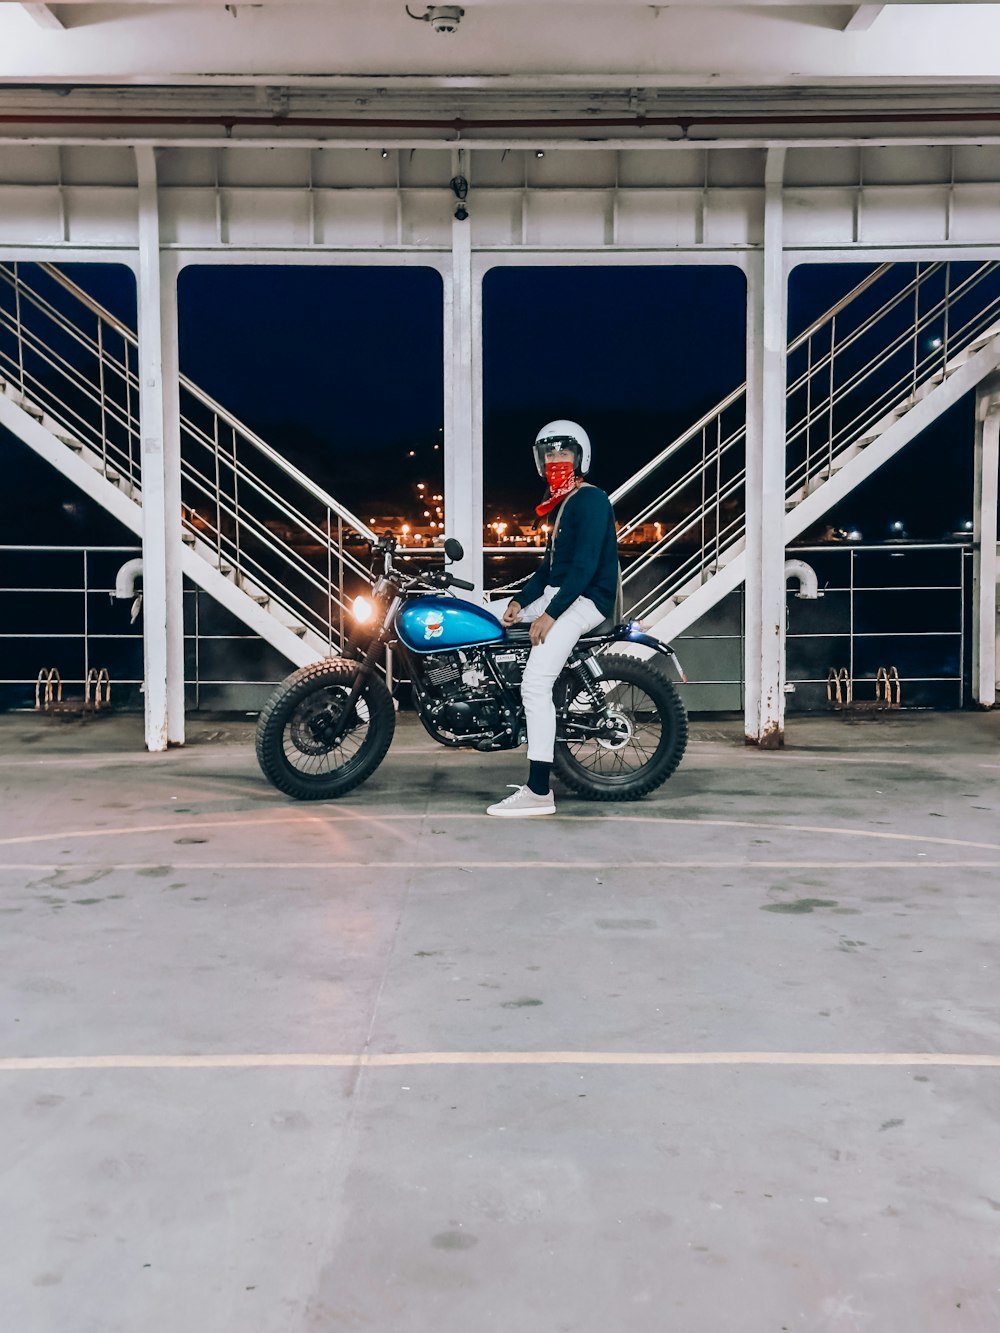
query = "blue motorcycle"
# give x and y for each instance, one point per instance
(621, 726)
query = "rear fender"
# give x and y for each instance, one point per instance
(629, 631)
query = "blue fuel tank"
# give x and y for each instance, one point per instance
(440, 624)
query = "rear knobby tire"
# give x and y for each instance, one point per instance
(669, 749)
(279, 723)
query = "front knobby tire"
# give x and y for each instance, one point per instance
(657, 726)
(298, 756)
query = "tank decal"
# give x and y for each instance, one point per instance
(436, 624)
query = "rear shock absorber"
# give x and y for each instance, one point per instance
(587, 672)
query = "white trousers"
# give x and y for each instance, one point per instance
(545, 661)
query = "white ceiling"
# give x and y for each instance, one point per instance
(505, 43)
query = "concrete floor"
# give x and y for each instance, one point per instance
(191, 966)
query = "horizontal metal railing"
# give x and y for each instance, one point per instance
(279, 535)
(848, 371)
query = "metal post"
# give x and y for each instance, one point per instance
(463, 428)
(174, 505)
(340, 582)
(764, 667)
(20, 330)
(984, 557)
(162, 583)
(101, 389)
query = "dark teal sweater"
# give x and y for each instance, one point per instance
(583, 562)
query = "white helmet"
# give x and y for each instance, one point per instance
(563, 435)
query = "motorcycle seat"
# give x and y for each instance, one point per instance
(518, 634)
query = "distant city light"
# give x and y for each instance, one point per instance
(935, 343)
(420, 485)
(412, 453)
(853, 534)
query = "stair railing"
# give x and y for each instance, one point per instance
(948, 316)
(715, 522)
(81, 372)
(280, 535)
(847, 371)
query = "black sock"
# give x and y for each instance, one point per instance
(538, 777)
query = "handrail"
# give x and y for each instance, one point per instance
(654, 463)
(252, 438)
(95, 307)
(841, 413)
(279, 533)
(272, 455)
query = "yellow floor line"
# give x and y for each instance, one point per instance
(412, 1059)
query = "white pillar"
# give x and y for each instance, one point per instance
(463, 426)
(767, 337)
(162, 583)
(984, 557)
(171, 382)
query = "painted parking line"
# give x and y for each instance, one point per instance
(471, 1059)
(359, 817)
(529, 864)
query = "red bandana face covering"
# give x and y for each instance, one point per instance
(562, 479)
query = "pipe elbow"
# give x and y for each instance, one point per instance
(126, 577)
(806, 575)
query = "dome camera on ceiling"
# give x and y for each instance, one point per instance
(442, 18)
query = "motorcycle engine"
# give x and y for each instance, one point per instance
(459, 697)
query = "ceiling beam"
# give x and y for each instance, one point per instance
(863, 18)
(44, 15)
(392, 6)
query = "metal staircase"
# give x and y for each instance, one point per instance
(259, 536)
(274, 548)
(863, 380)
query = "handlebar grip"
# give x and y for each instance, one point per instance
(462, 583)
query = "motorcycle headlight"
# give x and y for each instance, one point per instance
(362, 610)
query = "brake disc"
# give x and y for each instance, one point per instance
(315, 728)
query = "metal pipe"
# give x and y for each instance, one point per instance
(126, 577)
(462, 124)
(806, 575)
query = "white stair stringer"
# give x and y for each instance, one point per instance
(86, 469)
(851, 466)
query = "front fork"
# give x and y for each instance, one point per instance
(366, 667)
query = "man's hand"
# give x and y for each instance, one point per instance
(540, 628)
(511, 614)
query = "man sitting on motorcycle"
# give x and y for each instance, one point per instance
(571, 593)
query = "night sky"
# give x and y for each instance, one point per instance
(340, 369)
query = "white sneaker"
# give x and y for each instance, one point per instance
(523, 804)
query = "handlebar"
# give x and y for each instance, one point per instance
(387, 545)
(441, 578)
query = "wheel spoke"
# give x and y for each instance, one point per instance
(302, 742)
(639, 730)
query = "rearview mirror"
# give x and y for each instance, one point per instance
(453, 549)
